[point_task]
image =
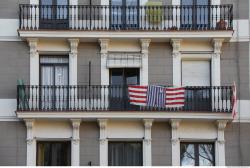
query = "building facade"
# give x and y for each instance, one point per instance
(66, 65)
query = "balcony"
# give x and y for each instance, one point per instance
(114, 98)
(126, 18)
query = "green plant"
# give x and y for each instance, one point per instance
(154, 12)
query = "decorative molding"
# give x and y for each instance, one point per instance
(175, 123)
(217, 43)
(221, 124)
(76, 123)
(148, 123)
(176, 44)
(104, 44)
(103, 123)
(147, 141)
(73, 46)
(174, 141)
(29, 125)
(145, 45)
(103, 141)
(33, 42)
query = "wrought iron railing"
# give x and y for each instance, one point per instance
(114, 98)
(142, 18)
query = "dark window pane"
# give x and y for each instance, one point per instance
(187, 155)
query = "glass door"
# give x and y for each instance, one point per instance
(195, 14)
(54, 14)
(53, 153)
(125, 154)
(120, 78)
(54, 82)
(124, 14)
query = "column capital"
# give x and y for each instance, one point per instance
(176, 44)
(144, 45)
(33, 45)
(103, 123)
(29, 123)
(104, 44)
(175, 123)
(221, 124)
(73, 45)
(76, 123)
(148, 123)
(217, 44)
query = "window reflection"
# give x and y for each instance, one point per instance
(197, 154)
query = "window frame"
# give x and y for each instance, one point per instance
(196, 151)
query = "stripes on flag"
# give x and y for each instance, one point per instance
(175, 97)
(138, 95)
(157, 96)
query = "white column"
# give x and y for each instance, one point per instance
(73, 61)
(215, 68)
(220, 143)
(31, 143)
(147, 152)
(103, 142)
(175, 123)
(144, 69)
(176, 43)
(104, 44)
(75, 143)
(34, 61)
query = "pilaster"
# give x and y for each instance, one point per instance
(73, 61)
(31, 144)
(34, 61)
(75, 142)
(220, 143)
(147, 146)
(175, 123)
(104, 44)
(216, 79)
(176, 44)
(103, 142)
(144, 70)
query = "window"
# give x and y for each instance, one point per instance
(53, 153)
(124, 14)
(195, 14)
(197, 154)
(125, 154)
(54, 14)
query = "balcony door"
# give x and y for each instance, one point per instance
(54, 14)
(195, 14)
(120, 78)
(125, 154)
(54, 78)
(124, 14)
(197, 75)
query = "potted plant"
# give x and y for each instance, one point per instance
(221, 25)
(154, 12)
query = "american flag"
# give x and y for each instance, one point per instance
(234, 101)
(157, 96)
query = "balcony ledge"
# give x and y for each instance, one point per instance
(157, 35)
(126, 115)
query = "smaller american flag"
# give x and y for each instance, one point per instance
(157, 96)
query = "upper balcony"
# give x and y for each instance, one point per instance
(192, 18)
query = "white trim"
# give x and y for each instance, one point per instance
(220, 143)
(126, 115)
(144, 68)
(34, 61)
(133, 34)
(73, 61)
